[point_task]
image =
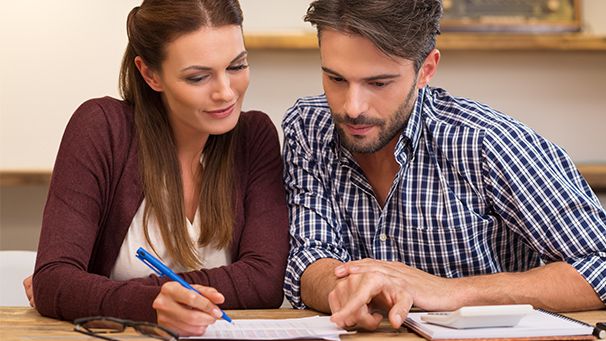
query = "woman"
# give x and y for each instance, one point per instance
(176, 168)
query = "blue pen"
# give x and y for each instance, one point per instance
(163, 270)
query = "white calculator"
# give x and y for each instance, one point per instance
(489, 316)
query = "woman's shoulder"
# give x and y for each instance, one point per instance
(101, 119)
(255, 118)
(257, 131)
(256, 123)
(105, 107)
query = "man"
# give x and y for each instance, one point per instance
(402, 195)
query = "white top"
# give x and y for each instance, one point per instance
(129, 266)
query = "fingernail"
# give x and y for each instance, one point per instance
(398, 320)
(217, 313)
(340, 270)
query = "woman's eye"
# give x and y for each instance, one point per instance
(195, 80)
(238, 67)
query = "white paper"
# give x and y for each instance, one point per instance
(316, 327)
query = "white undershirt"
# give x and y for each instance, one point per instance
(129, 266)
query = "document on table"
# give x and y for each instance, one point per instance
(316, 327)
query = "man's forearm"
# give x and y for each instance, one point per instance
(556, 286)
(317, 282)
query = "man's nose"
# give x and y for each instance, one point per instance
(355, 102)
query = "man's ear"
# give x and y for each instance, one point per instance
(150, 76)
(428, 69)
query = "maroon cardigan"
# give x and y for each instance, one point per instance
(94, 194)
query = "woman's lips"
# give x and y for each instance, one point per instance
(222, 113)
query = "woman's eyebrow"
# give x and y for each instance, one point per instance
(242, 54)
(206, 68)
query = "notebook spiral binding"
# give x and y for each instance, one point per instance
(598, 333)
(564, 317)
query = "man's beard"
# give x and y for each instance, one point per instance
(388, 128)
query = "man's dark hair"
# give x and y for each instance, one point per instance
(401, 28)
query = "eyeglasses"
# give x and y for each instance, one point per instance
(97, 325)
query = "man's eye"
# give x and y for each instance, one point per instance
(380, 84)
(336, 79)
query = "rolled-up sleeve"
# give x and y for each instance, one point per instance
(314, 228)
(538, 191)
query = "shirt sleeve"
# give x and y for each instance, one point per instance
(314, 229)
(93, 150)
(535, 187)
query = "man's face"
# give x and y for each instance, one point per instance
(370, 94)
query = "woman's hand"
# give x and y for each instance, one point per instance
(29, 290)
(185, 311)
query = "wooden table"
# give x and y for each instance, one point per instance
(25, 324)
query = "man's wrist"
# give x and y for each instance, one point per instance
(317, 281)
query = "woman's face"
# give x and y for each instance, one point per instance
(203, 81)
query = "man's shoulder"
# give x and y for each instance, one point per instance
(457, 123)
(445, 108)
(308, 118)
(307, 108)
(445, 111)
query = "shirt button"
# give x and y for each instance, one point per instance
(383, 237)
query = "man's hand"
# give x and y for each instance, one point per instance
(355, 298)
(355, 289)
(555, 286)
(185, 311)
(428, 291)
(29, 290)
(327, 286)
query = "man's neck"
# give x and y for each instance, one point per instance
(380, 169)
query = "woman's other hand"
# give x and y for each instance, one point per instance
(29, 290)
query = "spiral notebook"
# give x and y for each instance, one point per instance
(538, 324)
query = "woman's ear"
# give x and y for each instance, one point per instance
(428, 69)
(150, 76)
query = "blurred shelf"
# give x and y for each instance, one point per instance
(24, 178)
(449, 41)
(521, 42)
(595, 174)
(281, 40)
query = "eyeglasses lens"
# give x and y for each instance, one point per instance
(104, 326)
(96, 326)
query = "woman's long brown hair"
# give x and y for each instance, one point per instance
(150, 28)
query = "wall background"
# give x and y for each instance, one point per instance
(57, 54)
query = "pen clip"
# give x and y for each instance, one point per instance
(141, 254)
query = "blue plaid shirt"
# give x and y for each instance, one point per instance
(477, 192)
